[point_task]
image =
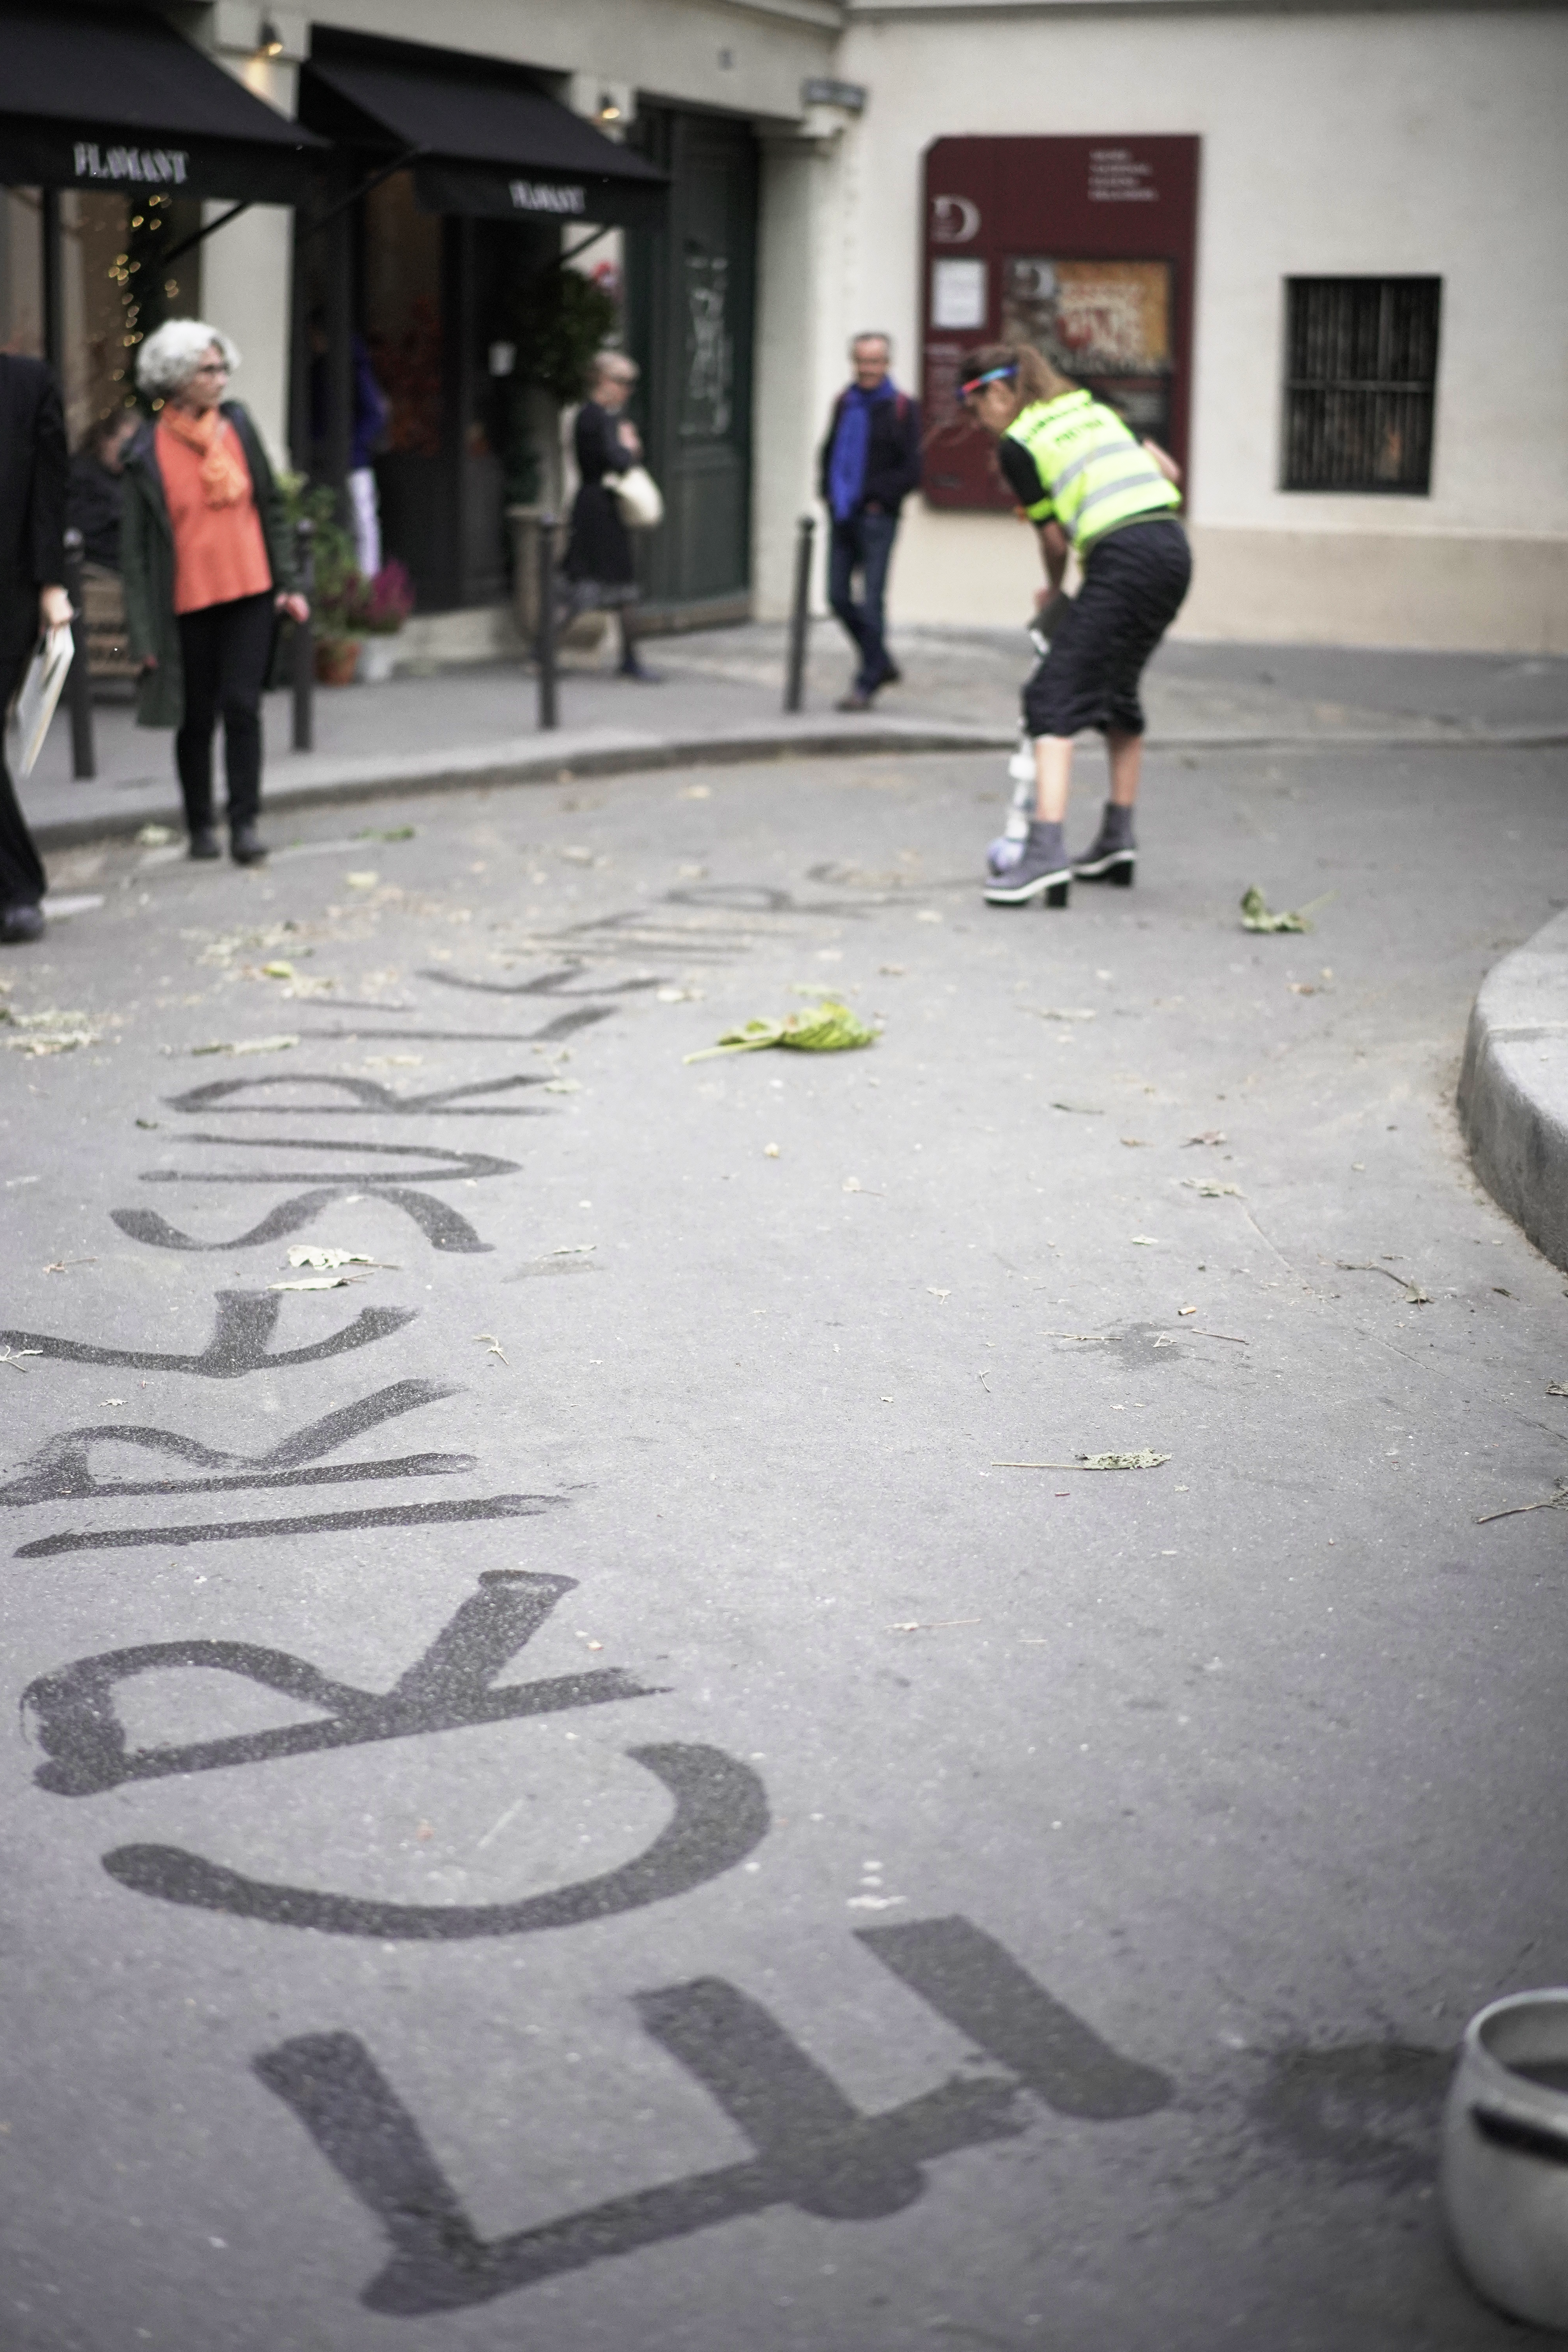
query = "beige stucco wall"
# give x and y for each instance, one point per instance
(1354, 142)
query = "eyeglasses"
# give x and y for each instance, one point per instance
(212, 367)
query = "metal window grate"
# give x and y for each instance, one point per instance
(1360, 375)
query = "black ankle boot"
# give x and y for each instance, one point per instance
(246, 846)
(1112, 855)
(205, 842)
(1044, 871)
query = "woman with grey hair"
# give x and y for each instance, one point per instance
(207, 562)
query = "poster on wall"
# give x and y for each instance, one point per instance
(1085, 248)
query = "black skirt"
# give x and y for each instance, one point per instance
(600, 549)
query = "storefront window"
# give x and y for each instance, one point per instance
(402, 315)
(21, 272)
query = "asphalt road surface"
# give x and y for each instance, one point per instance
(568, 1793)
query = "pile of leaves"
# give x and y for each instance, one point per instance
(826, 1027)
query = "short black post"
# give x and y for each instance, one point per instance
(549, 713)
(78, 678)
(304, 640)
(800, 616)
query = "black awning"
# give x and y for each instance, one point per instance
(112, 99)
(481, 140)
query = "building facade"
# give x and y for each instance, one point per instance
(1318, 252)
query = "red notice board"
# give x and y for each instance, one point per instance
(1086, 247)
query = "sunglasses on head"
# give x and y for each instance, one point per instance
(992, 375)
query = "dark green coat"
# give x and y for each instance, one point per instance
(147, 565)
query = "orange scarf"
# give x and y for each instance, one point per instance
(224, 479)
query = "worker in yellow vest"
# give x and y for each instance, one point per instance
(1094, 490)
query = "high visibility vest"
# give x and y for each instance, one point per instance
(1094, 472)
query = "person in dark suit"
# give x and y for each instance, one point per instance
(34, 471)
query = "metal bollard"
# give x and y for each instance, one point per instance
(78, 678)
(304, 641)
(800, 616)
(549, 713)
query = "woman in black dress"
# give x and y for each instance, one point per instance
(598, 566)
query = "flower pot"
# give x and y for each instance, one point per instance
(337, 660)
(377, 659)
(1505, 2156)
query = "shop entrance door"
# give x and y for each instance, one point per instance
(692, 291)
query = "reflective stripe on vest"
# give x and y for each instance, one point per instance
(1094, 472)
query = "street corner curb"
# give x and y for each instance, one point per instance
(567, 757)
(1513, 1088)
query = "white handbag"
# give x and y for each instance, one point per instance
(639, 498)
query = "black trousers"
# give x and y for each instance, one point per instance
(226, 649)
(1133, 584)
(21, 868)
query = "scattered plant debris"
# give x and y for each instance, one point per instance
(51, 1031)
(1414, 1295)
(1557, 1388)
(492, 1345)
(155, 836)
(249, 1044)
(1517, 1510)
(1208, 1188)
(324, 1260)
(1209, 1135)
(1144, 1461)
(1256, 915)
(827, 1027)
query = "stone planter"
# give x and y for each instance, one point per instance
(337, 660)
(378, 658)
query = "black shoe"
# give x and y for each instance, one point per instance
(19, 926)
(205, 842)
(891, 676)
(246, 846)
(642, 676)
(1112, 855)
(856, 700)
(1044, 871)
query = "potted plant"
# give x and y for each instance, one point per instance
(385, 604)
(336, 606)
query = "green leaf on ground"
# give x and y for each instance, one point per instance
(1256, 915)
(827, 1027)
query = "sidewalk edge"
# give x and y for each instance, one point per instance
(565, 764)
(1513, 1088)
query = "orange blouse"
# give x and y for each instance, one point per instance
(219, 552)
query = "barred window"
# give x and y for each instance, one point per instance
(1360, 375)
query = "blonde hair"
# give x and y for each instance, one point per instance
(172, 354)
(615, 363)
(1034, 375)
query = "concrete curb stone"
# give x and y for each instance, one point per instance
(606, 751)
(1513, 1088)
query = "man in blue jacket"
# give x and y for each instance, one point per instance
(870, 463)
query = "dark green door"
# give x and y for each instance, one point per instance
(692, 294)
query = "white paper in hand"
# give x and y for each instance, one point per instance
(39, 694)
